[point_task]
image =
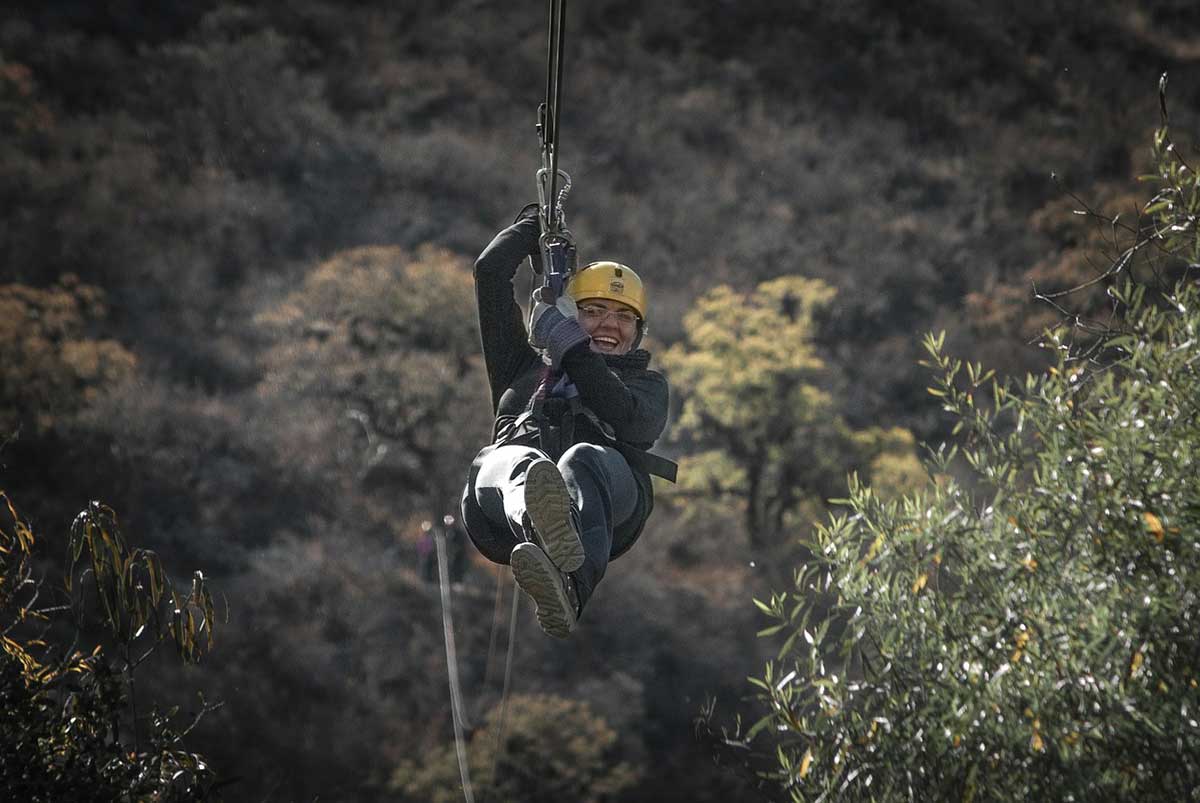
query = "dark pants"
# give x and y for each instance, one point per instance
(598, 480)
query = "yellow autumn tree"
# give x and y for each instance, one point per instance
(53, 364)
(759, 428)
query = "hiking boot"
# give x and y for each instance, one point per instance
(549, 508)
(550, 589)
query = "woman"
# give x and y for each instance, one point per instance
(564, 486)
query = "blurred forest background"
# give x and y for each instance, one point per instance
(236, 306)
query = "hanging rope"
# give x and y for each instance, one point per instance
(498, 747)
(457, 708)
(497, 612)
(456, 705)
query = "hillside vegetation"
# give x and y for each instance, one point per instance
(236, 306)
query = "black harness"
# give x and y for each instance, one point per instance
(548, 423)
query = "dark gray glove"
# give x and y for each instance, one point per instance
(553, 328)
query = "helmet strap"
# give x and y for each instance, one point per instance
(641, 331)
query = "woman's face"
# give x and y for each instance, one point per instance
(612, 325)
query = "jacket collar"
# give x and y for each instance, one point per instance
(636, 359)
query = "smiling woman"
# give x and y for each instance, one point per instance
(565, 485)
(611, 325)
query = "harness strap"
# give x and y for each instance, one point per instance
(648, 462)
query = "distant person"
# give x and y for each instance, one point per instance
(564, 487)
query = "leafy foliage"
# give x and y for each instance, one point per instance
(553, 749)
(388, 339)
(763, 430)
(198, 161)
(1026, 631)
(137, 597)
(53, 365)
(69, 728)
(1086, 241)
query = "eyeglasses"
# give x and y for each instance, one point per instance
(598, 314)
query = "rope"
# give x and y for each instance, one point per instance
(508, 662)
(456, 705)
(497, 607)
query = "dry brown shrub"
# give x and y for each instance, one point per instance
(53, 363)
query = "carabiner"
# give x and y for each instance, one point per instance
(553, 218)
(559, 258)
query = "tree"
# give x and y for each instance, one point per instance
(380, 346)
(762, 430)
(70, 728)
(53, 365)
(1087, 241)
(553, 749)
(22, 114)
(1028, 630)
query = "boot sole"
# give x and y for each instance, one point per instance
(549, 508)
(538, 578)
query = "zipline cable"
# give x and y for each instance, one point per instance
(556, 244)
(554, 71)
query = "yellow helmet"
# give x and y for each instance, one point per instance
(610, 280)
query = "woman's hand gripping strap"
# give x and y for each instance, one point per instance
(553, 326)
